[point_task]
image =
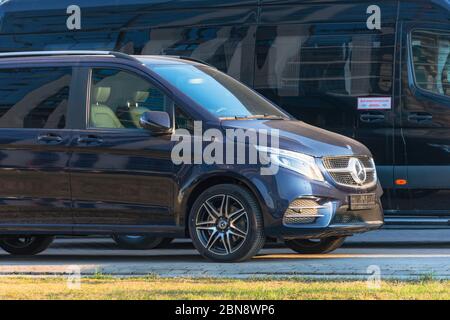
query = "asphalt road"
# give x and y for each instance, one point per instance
(391, 254)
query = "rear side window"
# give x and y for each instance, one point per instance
(34, 97)
(431, 60)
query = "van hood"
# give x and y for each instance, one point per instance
(301, 137)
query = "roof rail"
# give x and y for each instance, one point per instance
(88, 52)
(66, 53)
(191, 59)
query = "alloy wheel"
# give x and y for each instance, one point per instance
(222, 224)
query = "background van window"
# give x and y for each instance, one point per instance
(317, 71)
(431, 60)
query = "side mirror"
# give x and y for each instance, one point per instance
(156, 121)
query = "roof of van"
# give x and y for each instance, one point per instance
(113, 22)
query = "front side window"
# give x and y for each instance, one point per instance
(34, 97)
(431, 60)
(183, 120)
(217, 92)
(119, 98)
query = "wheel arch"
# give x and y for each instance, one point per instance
(196, 189)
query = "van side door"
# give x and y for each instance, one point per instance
(34, 147)
(426, 120)
(121, 174)
(323, 65)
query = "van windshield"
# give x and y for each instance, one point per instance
(218, 93)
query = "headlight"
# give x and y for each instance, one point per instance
(295, 161)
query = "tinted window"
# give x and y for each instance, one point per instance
(221, 46)
(34, 97)
(59, 41)
(431, 60)
(118, 99)
(317, 72)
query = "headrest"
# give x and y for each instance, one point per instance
(101, 94)
(141, 96)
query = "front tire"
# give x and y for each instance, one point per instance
(26, 245)
(307, 246)
(226, 224)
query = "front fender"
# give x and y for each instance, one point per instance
(192, 180)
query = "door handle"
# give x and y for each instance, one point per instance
(89, 140)
(50, 138)
(419, 117)
(371, 117)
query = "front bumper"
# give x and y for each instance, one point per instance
(344, 223)
(334, 217)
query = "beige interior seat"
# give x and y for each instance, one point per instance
(101, 115)
(136, 111)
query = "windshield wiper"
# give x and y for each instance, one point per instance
(255, 117)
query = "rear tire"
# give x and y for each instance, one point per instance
(140, 242)
(226, 224)
(26, 245)
(307, 246)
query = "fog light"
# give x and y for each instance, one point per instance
(302, 211)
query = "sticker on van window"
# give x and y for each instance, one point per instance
(384, 103)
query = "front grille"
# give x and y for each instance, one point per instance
(348, 171)
(302, 211)
(342, 161)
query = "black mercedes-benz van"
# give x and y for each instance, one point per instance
(376, 71)
(93, 143)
